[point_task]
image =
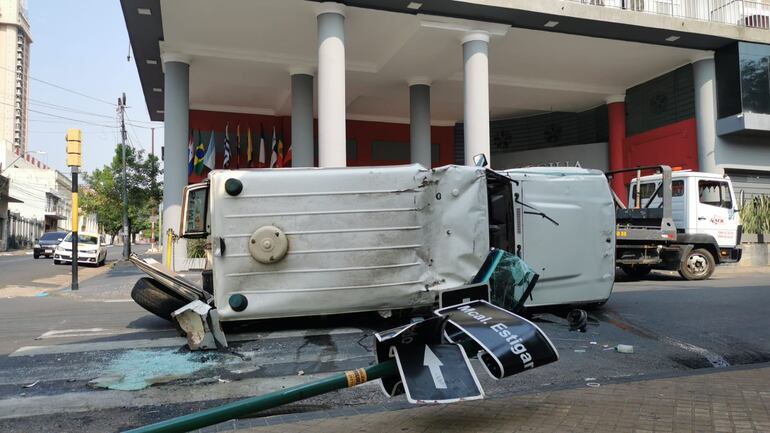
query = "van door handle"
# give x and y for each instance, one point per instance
(701, 218)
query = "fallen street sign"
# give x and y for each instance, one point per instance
(425, 332)
(507, 343)
(436, 373)
(461, 295)
(430, 371)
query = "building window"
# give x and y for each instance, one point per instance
(743, 79)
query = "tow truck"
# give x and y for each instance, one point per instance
(676, 220)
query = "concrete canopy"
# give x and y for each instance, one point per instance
(242, 53)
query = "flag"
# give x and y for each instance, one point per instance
(281, 162)
(190, 154)
(200, 155)
(249, 147)
(287, 155)
(274, 154)
(261, 146)
(209, 160)
(226, 160)
(238, 146)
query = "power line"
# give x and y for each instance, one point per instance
(59, 87)
(62, 117)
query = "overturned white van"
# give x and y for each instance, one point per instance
(300, 242)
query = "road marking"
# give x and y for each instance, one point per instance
(147, 343)
(716, 360)
(109, 301)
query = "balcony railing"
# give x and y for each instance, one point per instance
(745, 13)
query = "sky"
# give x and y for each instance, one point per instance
(82, 46)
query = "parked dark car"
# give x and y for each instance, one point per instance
(47, 244)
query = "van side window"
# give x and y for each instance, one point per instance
(715, 193)
(677, 188)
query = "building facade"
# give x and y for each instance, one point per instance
(601, 84)
(15, 40)
(40, 201)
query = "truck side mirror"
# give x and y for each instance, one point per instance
(480, 160)
(195, 211)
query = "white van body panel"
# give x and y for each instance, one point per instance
(360, 239)
(576, 258)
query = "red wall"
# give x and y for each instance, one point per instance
(363, 132)
(675, 145)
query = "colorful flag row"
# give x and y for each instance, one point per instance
(201, 156)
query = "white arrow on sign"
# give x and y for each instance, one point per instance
(431, 361)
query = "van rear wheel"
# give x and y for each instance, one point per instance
(151, 296)
(698, 265)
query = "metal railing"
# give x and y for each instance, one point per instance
(744, 13)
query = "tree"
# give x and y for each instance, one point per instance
(103, 194)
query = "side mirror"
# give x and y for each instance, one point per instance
(480, 160)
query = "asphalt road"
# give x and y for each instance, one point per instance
(24, 271)
(82, 348)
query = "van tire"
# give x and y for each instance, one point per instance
(151, 296)
(636, 272)
(699, 264)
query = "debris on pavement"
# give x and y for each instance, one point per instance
(138, 369)
(624, 348)
(31, 384)
(578, 320)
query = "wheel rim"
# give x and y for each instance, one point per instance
(697, 264)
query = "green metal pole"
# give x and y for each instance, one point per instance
(251, 405)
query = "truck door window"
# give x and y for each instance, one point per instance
(715, 193)
(677, 188)
(645, 191)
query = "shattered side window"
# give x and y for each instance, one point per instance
(509, 281)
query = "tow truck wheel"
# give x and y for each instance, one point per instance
(636, 271)
(698, 265)
(150, 295)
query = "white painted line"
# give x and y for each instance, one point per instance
(97, 346)
(160, 342)
(110, 301)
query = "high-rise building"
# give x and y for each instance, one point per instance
(15, 40)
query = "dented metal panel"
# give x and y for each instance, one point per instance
(359, 239)
(567, 226)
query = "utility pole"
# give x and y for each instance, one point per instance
(126, 236)
(74, 148)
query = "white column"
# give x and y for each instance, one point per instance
(419, 122)
(302, 117)
(704, 80)
(176, 121)
(331, 85)
(476, 93)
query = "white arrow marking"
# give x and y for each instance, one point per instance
(431, 361)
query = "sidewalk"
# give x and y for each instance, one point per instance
(27, 252)
(737, 400)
